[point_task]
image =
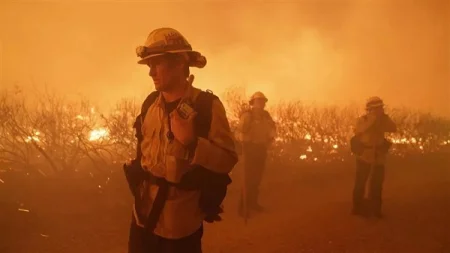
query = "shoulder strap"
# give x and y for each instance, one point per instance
(147, 103)
(203, 106)
(140, 119)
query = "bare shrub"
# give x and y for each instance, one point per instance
(15, 131)
(119, 123)
(53, 131)
(236, 102)
(70, 132)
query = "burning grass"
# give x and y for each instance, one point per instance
(64, 136)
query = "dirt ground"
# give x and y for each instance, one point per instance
(308, 210)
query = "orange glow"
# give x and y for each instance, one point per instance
(303, 51)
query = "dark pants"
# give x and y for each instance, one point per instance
(255, 156)
(363, 171)
(142, 242)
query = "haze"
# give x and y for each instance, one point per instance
(324, 51)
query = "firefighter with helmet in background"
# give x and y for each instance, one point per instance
(370, 147)
(256, 133)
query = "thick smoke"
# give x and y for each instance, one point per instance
(324, 51)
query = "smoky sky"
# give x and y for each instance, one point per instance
(329, 52)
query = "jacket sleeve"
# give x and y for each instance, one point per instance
(244, 122)
(388, 125)
(217, 153)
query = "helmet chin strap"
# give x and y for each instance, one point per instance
(190, 79)
(189, 82)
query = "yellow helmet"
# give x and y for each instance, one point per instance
(168, 40)
(258, 95)
(374, 102)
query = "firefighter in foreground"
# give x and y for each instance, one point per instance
(257, 133)
(184, 154)
(371, 147)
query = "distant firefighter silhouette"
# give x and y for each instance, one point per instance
(370, 147)
(256, 133)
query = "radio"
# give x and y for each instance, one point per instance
(185, 110)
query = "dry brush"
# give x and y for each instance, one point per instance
(54, 135)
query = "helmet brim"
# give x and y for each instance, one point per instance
(253, 99)
(197, 60)
(374, 106)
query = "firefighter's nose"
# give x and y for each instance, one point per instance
(152, 71)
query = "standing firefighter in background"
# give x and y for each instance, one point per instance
(257, 133)
(184, 154)
(371, 147)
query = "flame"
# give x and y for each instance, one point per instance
(307, 137)
(279, 139)
(34, 137)
(98, 134)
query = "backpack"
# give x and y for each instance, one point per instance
(212, 186)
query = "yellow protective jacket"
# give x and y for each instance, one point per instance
(181, 215)
(371, 132)
(256, 127)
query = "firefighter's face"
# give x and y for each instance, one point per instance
(166, 72)
(377, 111)
(259, 103)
